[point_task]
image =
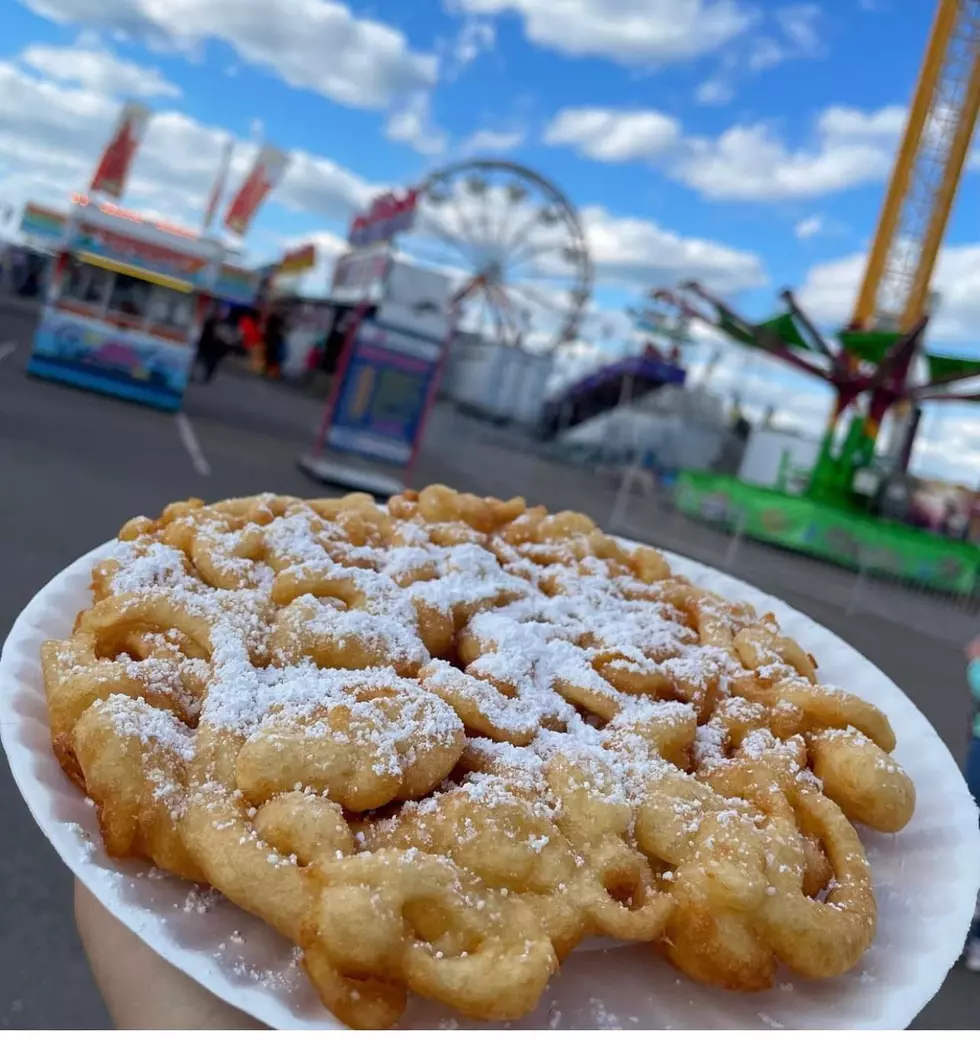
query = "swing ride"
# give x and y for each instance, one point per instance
(872, 367)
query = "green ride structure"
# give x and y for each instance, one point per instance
(870, 373)
(874, 365)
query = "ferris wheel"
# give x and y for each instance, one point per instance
(514, 247)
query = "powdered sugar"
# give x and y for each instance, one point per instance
(146, 564)
(200, 901)
(600, 677)
(133, 717)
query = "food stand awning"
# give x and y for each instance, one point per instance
(135, 271)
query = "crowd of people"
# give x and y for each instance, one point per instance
(263, 340)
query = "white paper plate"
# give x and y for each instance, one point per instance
(926, 878)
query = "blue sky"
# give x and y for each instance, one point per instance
(745, 142)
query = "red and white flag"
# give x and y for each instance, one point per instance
(267, 171)
(117, 160)
(220, 182)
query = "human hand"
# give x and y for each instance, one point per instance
(973, 648)
(140, 989)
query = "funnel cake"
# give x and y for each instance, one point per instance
(439, 744)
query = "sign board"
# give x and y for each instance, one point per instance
(48, 226)
(140, 257)
(112, 215)
(298, 260)
(93, 354)
(384, 392)
(236, 285)
(360, 276)
(387, 216)
(418, 289)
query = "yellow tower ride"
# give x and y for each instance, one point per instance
(928, 168)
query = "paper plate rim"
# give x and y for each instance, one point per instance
(143, 922)
(266, 1007)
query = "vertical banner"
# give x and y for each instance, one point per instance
(220, 181)
(114, 167)
(267, 171)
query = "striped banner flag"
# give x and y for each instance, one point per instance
(117, 160)
(220, 182)
(267, 171)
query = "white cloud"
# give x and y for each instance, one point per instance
(464, 229)
(495, 141)
(830, 289)
(958, 283)
(808, 227)
(314, 184)
(747, 162)
(948, 445)
(411, 123)
(643, 254)
(318, 45)
(49, 131)
(850, 147)
(799, 23)
(760, 384)
(766, 53)
(51, 136)
(329, 246)
(714, 92)
(613, 136)
(792, 33)
(474, 38)
(841, 123)
(98, 70)
(641, 32)
(627, 252)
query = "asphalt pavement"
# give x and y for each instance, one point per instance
(74, 466)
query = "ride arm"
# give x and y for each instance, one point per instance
(678, 300)
(808, 327)
(923, 399)
(945, 381)
(767, 341)
(899, 354)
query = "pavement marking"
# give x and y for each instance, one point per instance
(6, 349)
(190, 442)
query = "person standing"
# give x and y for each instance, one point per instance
(251, 341)
(219, 336)
(275, 342)
(971, 957)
